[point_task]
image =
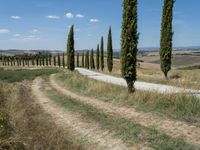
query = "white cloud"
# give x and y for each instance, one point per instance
(4, 31)
(16, 35)
(53, 17)
(80, 16)
(15, 17)
(36, 31)
(94, 20)
(69, 15)
(26, 38)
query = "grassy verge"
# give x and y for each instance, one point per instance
(24, 125)
(131, 133)
(175, 106)
(20, 75)
(150, 72)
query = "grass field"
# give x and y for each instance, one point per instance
(131, 133)
(17, 105)
(20, 75)
(23, 124)
(150, 72)
(176, 106)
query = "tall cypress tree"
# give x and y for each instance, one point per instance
(70, 49)
(47, 60)
(166, 37)
(43, 57)
(54, 60)
(59, 63)
(77, 62)
(110, 51)
(92, 65)
(102, 54)
(87, 61)
(97, 57)
(50, 56)
(129, 42)
(83, 60)
(63, 60)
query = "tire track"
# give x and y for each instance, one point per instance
(177, 129)
(91, 131)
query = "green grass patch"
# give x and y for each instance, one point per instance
(20, 75)
(175, 106)
(131, 133)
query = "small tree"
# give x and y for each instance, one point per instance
(97, 57)
(166, 37)
(77, 62)
(110, 51)
(83, 60)
(70, 49)
(92, 65)
(102, 54)
(129, 42)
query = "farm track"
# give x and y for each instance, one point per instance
(178, 129)
(138, 84)
(102, 139)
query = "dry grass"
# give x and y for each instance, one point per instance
(30, 127)
(150, 72)
(176, 106)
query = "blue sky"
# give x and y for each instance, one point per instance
(43, 24)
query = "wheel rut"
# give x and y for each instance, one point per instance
(177, 129)
(102, 139)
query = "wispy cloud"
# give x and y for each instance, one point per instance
(36, 31)
(53, 17)
(94, 20)
(17, 35)
(15, 17)
(80, 16)
(69, 15)
(26, 38)
(4, 31)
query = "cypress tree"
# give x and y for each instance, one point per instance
(40, 60)
(92, 65)
(47, 60)
(43, 64)
(87, 63)
(102, 53)
(37, 61)
(83, 60)
(97, 57)
(59, 63)
(110, 51)
(23, 64)
(54, 60)
(32, 61)
(77, 62)
(70, 50)
(63, 60)
(129, 42)
(50, 59)
(166, 37)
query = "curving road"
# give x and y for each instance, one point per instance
(138, 85)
